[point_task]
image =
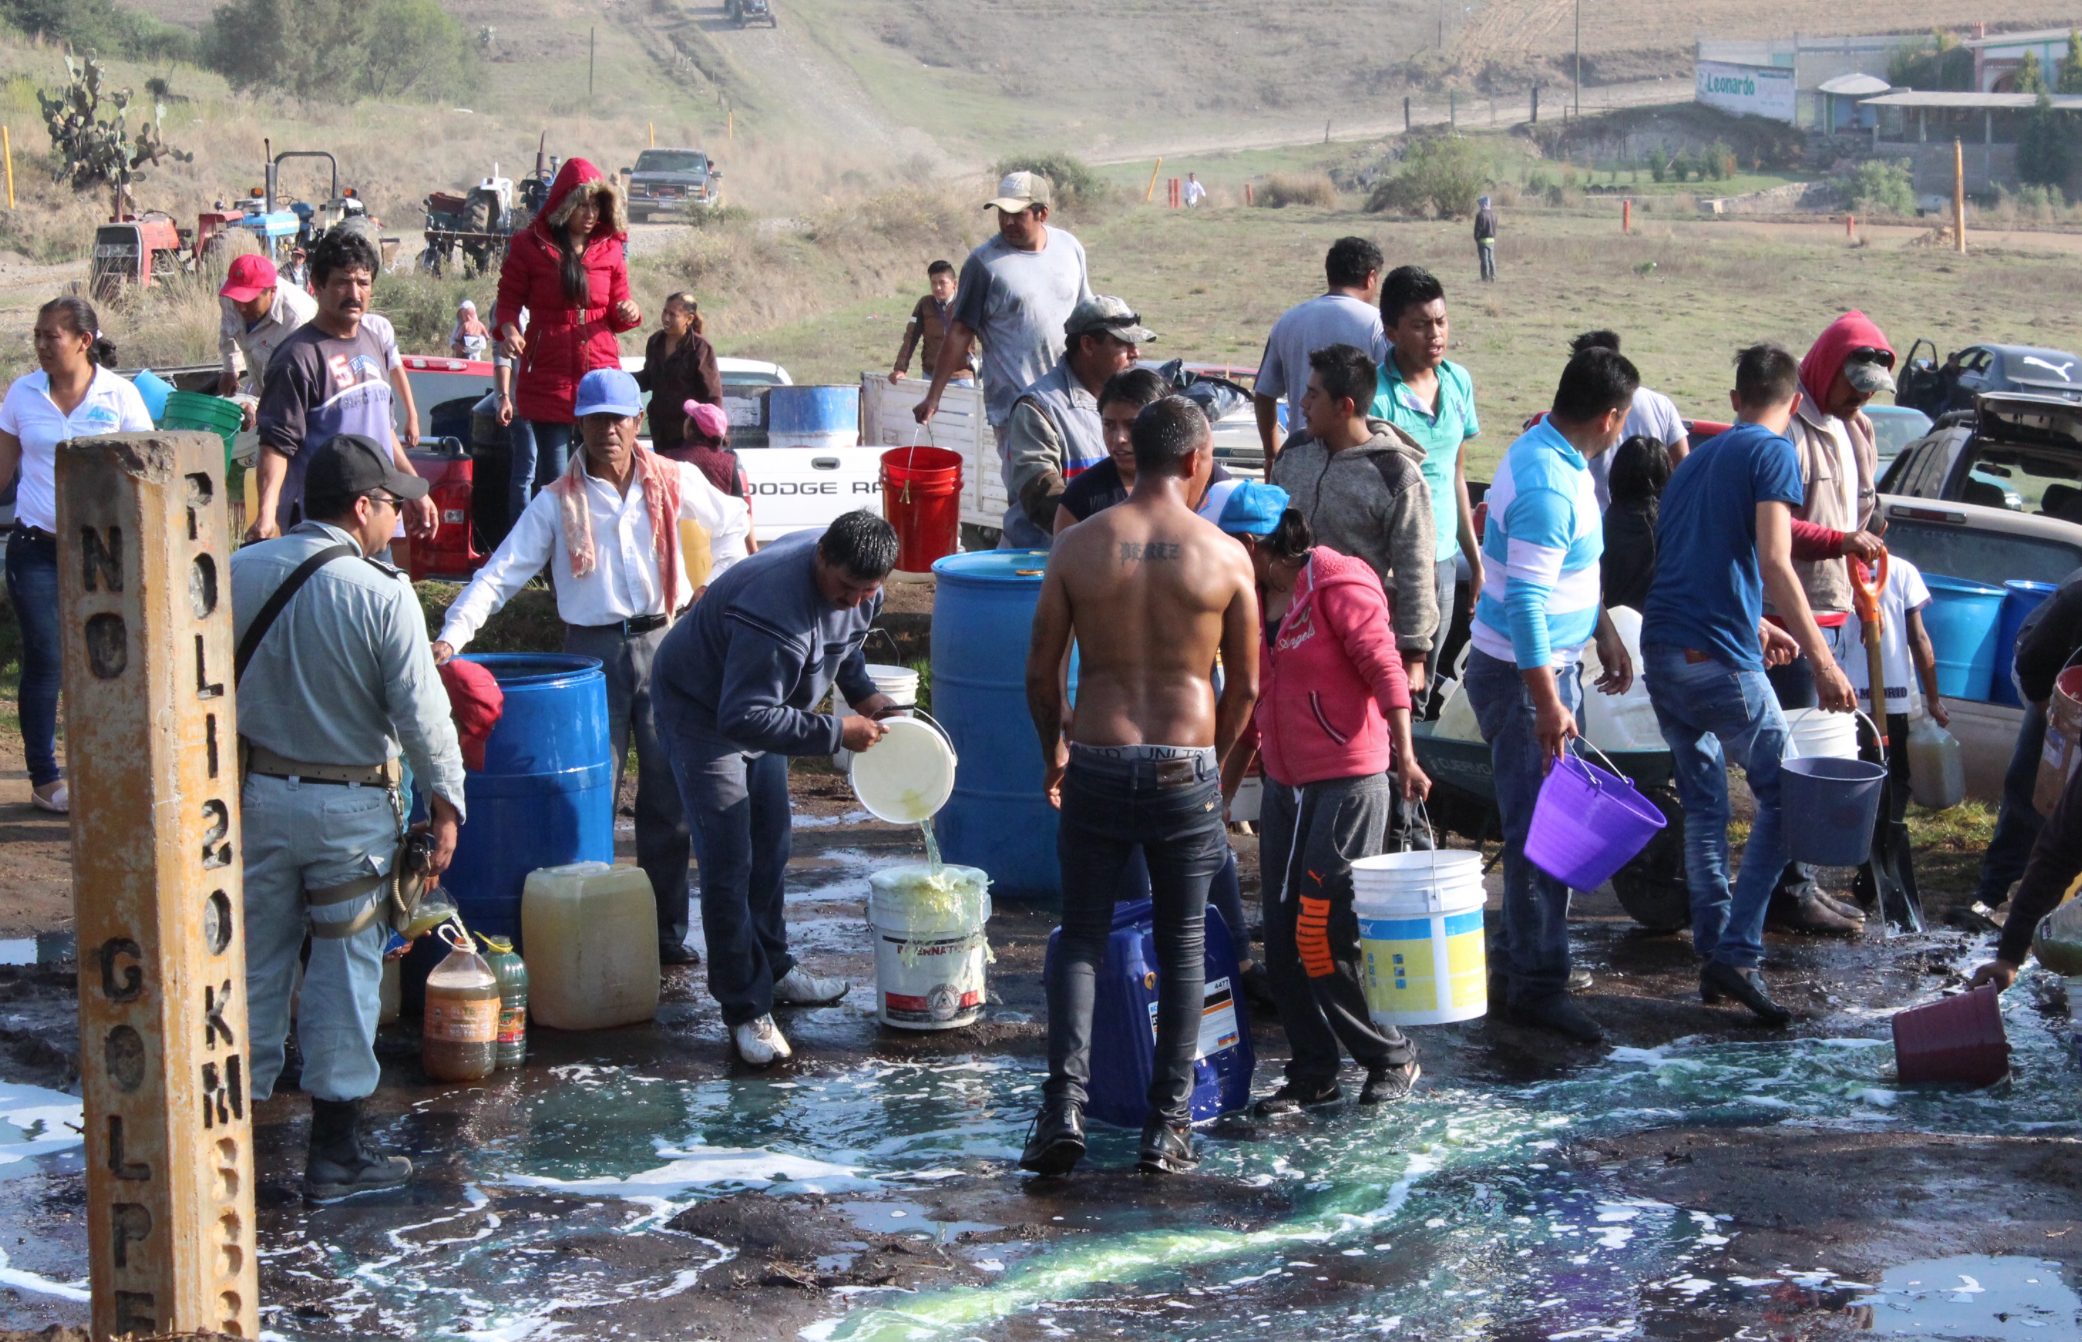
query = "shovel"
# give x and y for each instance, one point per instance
(1892, 864)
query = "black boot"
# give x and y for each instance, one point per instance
(1167, 1148)
(1746, 986)
(338, 1166)
(1056, 1142)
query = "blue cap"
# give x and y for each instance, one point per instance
(1252, 509)
(609, 391)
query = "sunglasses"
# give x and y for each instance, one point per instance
(391, 499)
(1866, 354)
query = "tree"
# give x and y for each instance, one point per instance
(1440, 174)
(416, 49)
(2030, 79)
(1941, 63)
(340, 50)
(95, 147)
(2043, 151)
(2071, 68)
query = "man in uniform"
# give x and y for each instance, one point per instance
(1150, 592)
(257, 313)
(334, 678)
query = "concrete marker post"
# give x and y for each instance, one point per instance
(145, 602)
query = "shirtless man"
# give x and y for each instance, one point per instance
(1149, 591)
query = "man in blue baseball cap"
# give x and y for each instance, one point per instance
(609, 530)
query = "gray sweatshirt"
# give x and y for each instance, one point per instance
(746, 665)
(1371, 502)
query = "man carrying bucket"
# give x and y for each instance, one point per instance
(609, 532)
(1725, 538)
(1055, 434)
(1537, 609)
(737, 684)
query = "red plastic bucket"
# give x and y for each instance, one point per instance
(1958, 1039)
(921, 497)
(1588, 823)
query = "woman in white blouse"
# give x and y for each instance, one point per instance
(72, 394)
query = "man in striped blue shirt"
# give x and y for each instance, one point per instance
(1539, 605)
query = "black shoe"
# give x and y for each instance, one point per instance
(338, 1165)
(1295, 1096)
(681, 954)
(1746, 986)
(1167, 1148)
(1560, 1014)
(1385, 1085)
(1579, 979)
(1810, 914)
(1055, 1142)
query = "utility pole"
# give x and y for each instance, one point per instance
(1579, 57)
(592, 44)
(145, 597)
(1959, 195)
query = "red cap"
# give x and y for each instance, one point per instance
(250, 276)
(478, 703)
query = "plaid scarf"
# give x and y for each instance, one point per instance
(660, 482)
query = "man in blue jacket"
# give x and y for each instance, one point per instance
(736, 684)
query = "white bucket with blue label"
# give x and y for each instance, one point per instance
(1420, 936)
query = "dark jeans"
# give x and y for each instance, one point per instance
(1487, 248)
(737, 810)
(1224, 895)
(1536, 906)
(2018, 823)
(1794, 685)
(662, 842)
(32, 586)
(1173, 809)
(1310, 836)
(540, 452)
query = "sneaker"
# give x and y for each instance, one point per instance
(1295, 1096)
(760, 1042)
(681, 954)
(798, 987)
(338, 1165)
(1166, 1148)
(1055, 1142)
(1746, 986)
(54, 797)
(1386, 1085)
(1559, 1014)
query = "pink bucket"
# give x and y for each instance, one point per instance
(1588, 823)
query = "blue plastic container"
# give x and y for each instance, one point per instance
(998, 818)
(154, 389)
(546, 794)
(1962, 621)
(827, 416)
(1124, 1023)
(1827, 808)
(2019, 600)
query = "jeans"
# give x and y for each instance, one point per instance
(32, 587)
(1173, 809)
(1536, 905)
(662, 841)
(737, 810)
(1712, 713)
(1487, 248)
(312, 836)
(1310, 837)
(1224, 895)
(540, 452)
(2017, 823)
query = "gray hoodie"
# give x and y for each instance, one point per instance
(1371, 502)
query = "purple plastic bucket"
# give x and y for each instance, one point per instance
(1588, 823)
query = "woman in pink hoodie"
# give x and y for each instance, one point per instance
(1333, 715)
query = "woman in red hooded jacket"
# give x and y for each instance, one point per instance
(569, 272)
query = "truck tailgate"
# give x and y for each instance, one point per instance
(960, 426)
(795, 488)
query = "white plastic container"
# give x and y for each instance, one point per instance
(900, 683)
(1250, 800)
(1420, 936)
(1457, 716)
(930, 949)
(1937, 772)
(590, 932)
(1814, 734)
(1620, 721)
(908, 775)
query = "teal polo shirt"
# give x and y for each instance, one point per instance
(1440, 433)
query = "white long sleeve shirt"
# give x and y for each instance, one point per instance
(624, 582)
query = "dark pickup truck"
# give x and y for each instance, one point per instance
(673, 181)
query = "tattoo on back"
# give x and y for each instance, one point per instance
(1151, 550)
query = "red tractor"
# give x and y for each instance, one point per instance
(133, 250)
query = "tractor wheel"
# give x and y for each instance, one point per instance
(1652, 888)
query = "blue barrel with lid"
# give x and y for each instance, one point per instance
(2020, 598)
(813, 416)
(998, 818)
(1962, 621)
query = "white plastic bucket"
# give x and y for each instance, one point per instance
(900, 683)
(1620, 721)
(1420, 936)
(1813, 734)
(1250, 800)
(930, 953)
(908, 775)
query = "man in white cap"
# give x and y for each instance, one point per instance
(1015, 293)
(259, 312)
(1054, 434)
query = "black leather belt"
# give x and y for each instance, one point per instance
(635, 624)
(29, 533)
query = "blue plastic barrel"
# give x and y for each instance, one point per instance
(1124, 1013)
(545, 796)
(1962, 621)
(826, 416)
(2019, 600)
(998, 818)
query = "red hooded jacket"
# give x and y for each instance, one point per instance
(1853, 330)
(564, 343)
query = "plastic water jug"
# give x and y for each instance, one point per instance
(512, 973)
(1937, 773)
(460, 1038)
(592, 936)
(1124, 1024)
(1620, 721)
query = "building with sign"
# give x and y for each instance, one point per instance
(1801, 81)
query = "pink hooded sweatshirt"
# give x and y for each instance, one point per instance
(1329, 677)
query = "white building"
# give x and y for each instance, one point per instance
(1996, 58)
(1784, 78)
